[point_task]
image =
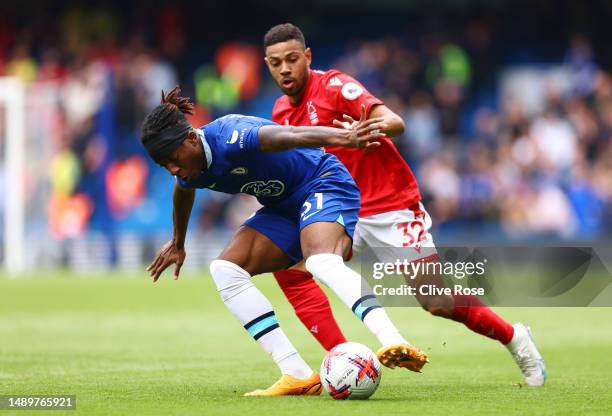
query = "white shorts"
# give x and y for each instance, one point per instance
(394, 229)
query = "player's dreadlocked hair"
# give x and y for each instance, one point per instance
(165, 128)
(283, 33)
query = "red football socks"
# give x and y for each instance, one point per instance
(481, 319)
(311, 306)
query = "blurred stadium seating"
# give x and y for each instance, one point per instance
(508, 107)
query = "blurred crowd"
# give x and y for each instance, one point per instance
(536, 169)
(87, 93)
(491, 160)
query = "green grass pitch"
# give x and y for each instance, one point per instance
(126, 346)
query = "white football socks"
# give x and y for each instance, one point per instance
(356, 294)
(381, 326)
(255, 313)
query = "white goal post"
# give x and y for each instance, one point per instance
(12, 99)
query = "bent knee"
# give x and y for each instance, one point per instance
(437, 310)
(438, 306)
(229, 278)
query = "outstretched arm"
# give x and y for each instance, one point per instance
(361, 134)
(182, 203)
(174, 250)
(392, 124)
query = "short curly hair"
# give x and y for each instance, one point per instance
(283, 33)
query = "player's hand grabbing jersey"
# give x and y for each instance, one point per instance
(383, 177)
(296, 187)
(236, 164)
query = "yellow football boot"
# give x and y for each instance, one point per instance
(291, 386)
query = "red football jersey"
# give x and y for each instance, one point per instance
(383, 177)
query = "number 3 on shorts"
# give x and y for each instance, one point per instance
(412, 232)
(319, 205)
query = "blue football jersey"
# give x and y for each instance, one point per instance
(236, 164)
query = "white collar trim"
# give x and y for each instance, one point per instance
(207, 151)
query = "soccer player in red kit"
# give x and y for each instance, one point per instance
(391, 213)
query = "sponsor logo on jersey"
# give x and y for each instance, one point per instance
(351, 91)
(335, 82)
(239, 171)
(312, 113)
(265, 189)
(234, 137)
(242, 138)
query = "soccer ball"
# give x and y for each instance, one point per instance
(350, 371)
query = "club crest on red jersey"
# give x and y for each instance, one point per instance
(312, 113)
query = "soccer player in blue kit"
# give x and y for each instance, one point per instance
(310, 207)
